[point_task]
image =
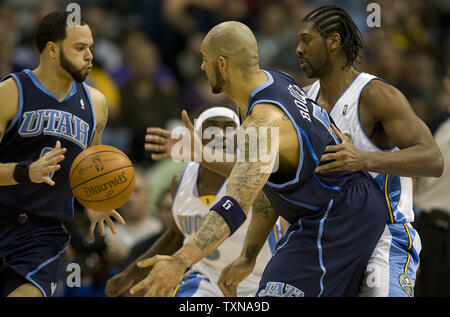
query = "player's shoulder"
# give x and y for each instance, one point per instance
(96, 95)
(9, 94)
(378, 89)
(9, 86)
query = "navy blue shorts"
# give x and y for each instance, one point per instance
(30, 253)
(326, 253)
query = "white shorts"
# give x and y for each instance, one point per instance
(391, 270)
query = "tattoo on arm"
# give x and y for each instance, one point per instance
(248, 177)
(212, 230)
(262, 222)
(180, 260)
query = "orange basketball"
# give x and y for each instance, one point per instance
(102, 177)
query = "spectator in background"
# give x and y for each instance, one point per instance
(107, 53)
(8, 33)
(164, 214)
(149, 97)
(275, 37)
(433, 223)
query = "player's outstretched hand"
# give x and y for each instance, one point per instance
(233, 274)
(343, 157)
(40, 170)
(99, 217)
(166, 273)
(118, 284)
(161, 142)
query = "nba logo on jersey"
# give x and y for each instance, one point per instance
(344, 112)
(82, 104)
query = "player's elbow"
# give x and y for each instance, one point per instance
(436, 163)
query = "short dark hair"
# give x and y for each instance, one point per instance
(333, 19)
(52, 28)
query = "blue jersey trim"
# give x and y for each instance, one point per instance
(94, 125)
(310, 207)
(38, 84)
(273, 238)
(319, 246)
(258, 89)
(300, 228)
(28, 277)
(300, 141)
(20, 92)
(325, 185)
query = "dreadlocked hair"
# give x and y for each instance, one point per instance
(333, 19)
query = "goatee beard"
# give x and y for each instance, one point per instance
(71, 68)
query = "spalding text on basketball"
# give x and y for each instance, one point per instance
(97, 189)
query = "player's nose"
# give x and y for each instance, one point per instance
(299, 50)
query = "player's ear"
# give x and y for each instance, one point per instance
(222, 63)
(334, 42)
(52, 49)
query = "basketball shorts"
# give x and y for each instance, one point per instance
(196, 284)
(391, 270)
(33, 251)
(326, 253)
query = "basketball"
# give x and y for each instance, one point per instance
(102, 178)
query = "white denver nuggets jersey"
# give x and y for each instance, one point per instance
(189, 210)
(397, 190)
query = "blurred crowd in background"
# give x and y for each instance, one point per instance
(147, 64)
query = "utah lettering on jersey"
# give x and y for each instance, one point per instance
(56, 123)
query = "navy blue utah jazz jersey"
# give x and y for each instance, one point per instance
(40, 122)
(306, 191)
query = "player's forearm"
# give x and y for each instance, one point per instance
(213, 231)
(415, 161)
(7, 174)
(261, 224)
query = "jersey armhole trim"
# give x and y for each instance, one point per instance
(94, 124)
(299, 137)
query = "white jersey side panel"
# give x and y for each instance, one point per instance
(189, 210)
(398, 190)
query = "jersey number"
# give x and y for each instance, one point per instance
(322, 115)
